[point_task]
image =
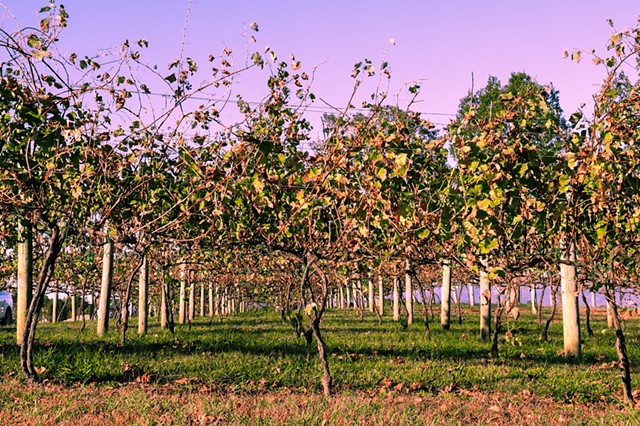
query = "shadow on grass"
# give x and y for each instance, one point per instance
(78, 356)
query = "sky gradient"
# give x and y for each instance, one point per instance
(442, 42)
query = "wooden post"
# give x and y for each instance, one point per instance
(408, 292)
(73, 307)
(54, 310)
(202, 294)
(182, 315)
(211, 301)
(192, 297)
(217, 306)
(25, 276)
(143, 296)
(356, 296)
(485, 302)
(348, 291)
(396, 300)
(445, 296)
(380, 295)
(164, 290)
(570, 311)
(105, 289)
(371, 293)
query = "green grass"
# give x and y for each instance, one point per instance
(256, 353)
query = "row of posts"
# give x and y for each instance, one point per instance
(226, 303)
(352, 294)
(221, 302)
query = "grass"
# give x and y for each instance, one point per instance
(258, 360)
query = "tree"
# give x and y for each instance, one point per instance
(47, 152)
(506, 141)
(604, 168)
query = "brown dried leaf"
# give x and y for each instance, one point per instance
(449, 388)
(145, 378)
(182, 381)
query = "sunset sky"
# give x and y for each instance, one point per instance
(442, 42)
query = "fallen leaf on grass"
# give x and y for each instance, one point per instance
(469, 393)
(182, 381)
(449, 388)
(526, 393)
(608, 366)
(40, 370)
(416, 385)
(145, 378)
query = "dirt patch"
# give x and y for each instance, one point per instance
(176, 404)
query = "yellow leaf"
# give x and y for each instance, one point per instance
(311, 174)
(401, 160)
(310, 308)
(484, 205)
(382, 174)
(258, 185)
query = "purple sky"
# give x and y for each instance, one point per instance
(443, 42)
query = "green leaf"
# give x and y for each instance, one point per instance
(601, 230)
(33, 41)
(523, 169)
(487, 246)
(425, 233)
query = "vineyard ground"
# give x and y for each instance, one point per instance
(251, 369)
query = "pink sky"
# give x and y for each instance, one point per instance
(443, 42)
